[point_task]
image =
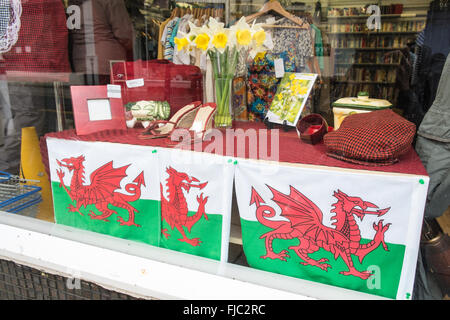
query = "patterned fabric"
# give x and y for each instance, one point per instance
(43, 38)
(296, 41)
(239, 99)
(4, 16)
(168, 48)
(182, 56)
(373, 138)
(241, 67)
(262, 83)
(175, 31)
(294, 46)
(420, 38)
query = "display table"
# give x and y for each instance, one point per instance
(291, 150)
(302, 213)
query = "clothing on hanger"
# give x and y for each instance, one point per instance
(291, 44)
(318, 45)
(179, 23)
(182, 56)
(162, 30)
(298, 41)
(168, 48)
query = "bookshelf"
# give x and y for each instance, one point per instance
(369, 60)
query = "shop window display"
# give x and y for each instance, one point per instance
(174, 66)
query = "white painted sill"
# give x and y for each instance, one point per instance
(145, 271)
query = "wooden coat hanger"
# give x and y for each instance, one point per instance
(178, 12)
(274, 5)
(172, 15)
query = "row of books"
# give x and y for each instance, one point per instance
(357, 11)
(345, 12)
(369, 42)
(372, 57)
(375, 91)
(358, 74)
(401, 26)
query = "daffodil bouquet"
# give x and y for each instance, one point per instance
(223, 46)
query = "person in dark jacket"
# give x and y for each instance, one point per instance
(433, 147)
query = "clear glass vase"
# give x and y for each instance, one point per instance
(223, 88)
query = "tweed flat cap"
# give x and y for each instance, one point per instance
(375, 138)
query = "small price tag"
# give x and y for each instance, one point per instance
(279, 68)
(268, 43)
(114, 91)
(135, 83)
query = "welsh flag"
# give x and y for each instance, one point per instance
(346, 228)
(107, 188)
(196, 194)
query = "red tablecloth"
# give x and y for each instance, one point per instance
(291, 149)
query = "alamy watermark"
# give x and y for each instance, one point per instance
(73, 281)
(374, 281)
(374, 21)
(74, 17)
(223, 145)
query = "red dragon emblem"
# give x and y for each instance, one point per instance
(175, 210)
(102, 190)
(305, 224)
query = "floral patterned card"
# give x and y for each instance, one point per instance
(291, 97)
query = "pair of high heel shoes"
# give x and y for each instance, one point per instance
(195, 117)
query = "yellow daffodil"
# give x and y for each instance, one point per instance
(181, 43)
(260, 56)
(202, 41)
(259, 37)
(244, 37)
(292, 77)
(220, 40)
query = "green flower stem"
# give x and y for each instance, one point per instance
(213, 56)
(224, 68)
(224, 116)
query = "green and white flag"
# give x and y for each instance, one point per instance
(107, 188)
(353, 229)
(196, 195)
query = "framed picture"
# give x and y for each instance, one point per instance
(118, 70)
(97, 108)
(290, 99)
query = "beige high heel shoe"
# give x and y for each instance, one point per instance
(183, 118)
(202, 123)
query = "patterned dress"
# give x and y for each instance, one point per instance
(168, 46)
(292, 45)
